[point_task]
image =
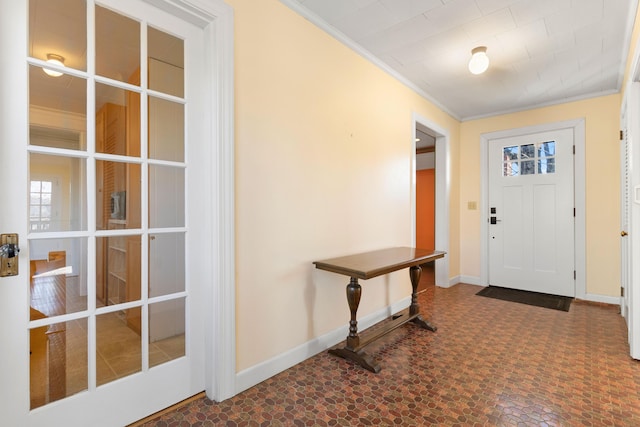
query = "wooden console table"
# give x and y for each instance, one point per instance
(366, 266)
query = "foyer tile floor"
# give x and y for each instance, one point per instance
(491, 363)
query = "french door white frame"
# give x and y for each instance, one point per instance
(578, 127)
(216, 19)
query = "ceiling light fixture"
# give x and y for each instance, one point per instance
(56, 60)
(479, 61)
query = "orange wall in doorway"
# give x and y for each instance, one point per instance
(425, 208)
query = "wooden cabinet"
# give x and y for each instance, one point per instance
(110, 178)
(117, 266)
(118, 257)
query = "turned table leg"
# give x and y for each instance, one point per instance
(352, 351)
(414, 273)
(354, 291)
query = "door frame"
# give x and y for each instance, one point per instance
(578, 127)
(625, 204)
(443, 184)
(630, 302)
(216, 19)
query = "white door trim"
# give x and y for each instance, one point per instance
(443, 185)
(216, 18)
(631, 103)
(578, 126)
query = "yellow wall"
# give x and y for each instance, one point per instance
(602, 117)
(323, 168)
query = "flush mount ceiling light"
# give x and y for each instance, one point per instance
(479, 61)
(56, 60)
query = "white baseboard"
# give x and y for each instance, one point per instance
(262, 371)
(601, 298)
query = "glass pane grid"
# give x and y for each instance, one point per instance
(137, 151)
(529, 159)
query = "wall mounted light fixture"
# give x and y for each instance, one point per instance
(479, 61)
(52, 58)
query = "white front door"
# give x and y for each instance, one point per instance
(531, 212)
(103, 325)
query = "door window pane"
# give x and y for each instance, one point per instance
(57, 110)
(118, 347)
(166, 130)
(59, 27)
(166, 196)
(117, 121)
(57, 361)
(58, 276)
(166, 331)
(117, 45)
(547, 149)
(118, 195)
(527, 151)
(511, 168)
(547, 166)
(528, 167)
(166, 263)
(57, 185)
(166, 62)
(117, 269)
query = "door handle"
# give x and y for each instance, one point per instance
(9, 250)
(623, 233)
(9, 255)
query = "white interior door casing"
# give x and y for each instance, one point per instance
(531, 244)
(442, 190)
(631, 243)
(625, 212)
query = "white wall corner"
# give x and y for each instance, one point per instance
(469, 280)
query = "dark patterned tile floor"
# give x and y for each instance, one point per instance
(491, 363)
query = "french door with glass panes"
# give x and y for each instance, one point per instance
(97, 327)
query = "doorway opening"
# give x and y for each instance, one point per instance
(425, 200)
(430, 197)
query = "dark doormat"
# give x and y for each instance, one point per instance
(555, 302)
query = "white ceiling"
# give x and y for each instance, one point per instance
(542, 51)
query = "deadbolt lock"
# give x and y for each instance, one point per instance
(9, 250)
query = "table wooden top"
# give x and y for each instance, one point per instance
(372, 264)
